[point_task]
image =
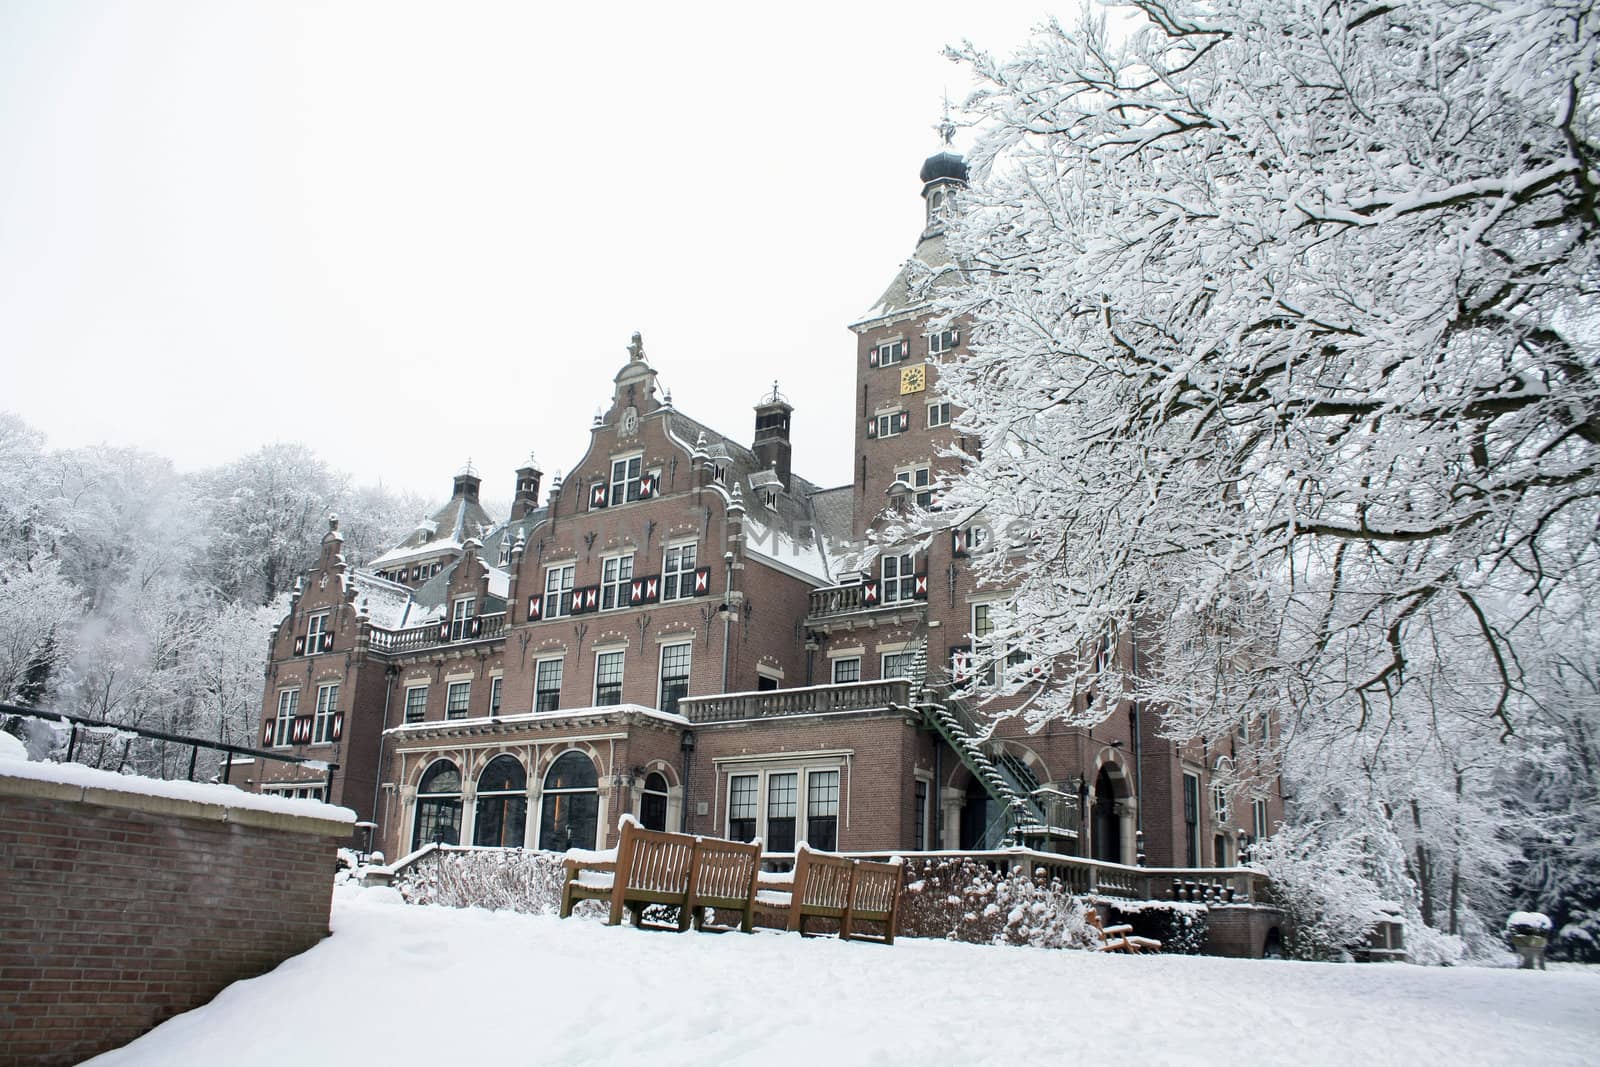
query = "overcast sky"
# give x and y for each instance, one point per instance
(407, 234)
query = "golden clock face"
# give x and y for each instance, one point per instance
(913, 379)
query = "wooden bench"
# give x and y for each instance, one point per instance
(658, 867)
(829, 886)
(1120, 938)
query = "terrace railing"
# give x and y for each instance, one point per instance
(812, 700)
(489, 627)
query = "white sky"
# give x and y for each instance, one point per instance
(411, 233)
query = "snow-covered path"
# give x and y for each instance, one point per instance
(413, 985)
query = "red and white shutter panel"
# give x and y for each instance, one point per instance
(338, 725)
(872, 429)
(647, 487)
(652, 589)
(872, 356)
(535, 608)
(957, 545)
(266, 733)
(636, 591)
(702, 581)
(327, 641)
(869, 593)
(300, 646)
(919, 586)
(904, 420)
(598, 495)
(444, 631)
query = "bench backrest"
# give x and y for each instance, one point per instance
(821, 881)
(653, 861)
(726, 870)
(877, 889)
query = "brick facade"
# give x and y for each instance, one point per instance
(787, 587)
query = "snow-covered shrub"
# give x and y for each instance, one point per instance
(961, 900)
(498, 879)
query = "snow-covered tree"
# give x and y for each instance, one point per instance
(1284, 348)
(39, 616)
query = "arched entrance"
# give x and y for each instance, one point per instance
(1105, 822)
(978, 812)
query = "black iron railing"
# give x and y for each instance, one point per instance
(82, 724)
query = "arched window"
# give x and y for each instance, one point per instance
(1106, 824)
(571, 808)
(653, 805)
(438, 806)
(502, 816)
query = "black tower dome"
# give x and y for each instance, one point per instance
(946, 164)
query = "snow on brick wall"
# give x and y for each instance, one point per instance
(117, 918)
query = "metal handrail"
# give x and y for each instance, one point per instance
(195, 743)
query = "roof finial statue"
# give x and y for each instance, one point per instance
(947, 129)
(636, 348)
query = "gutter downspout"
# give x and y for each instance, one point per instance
(1138, 763)
(390, 673)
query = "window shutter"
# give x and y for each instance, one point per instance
(647, 487)
(955, 338)
(338, 725)
(919, 586)
(904, 420)
(266, 734)
(652, 588)
(872, 429)
(958, 544)
(869, 593)
(327, 641)
(598, 495)
(444, 631)
(636, 591)
(872, 357)
(535, 608)
(477, 625)
(300, 646)
(702, 581)
(960, 662)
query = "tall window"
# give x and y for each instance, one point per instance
(674, 675)
(608, 678)
(983, 640)
(438, 806)
(558, 591)
(547, 685)
(1258, 819)
(456, 699)
(461, 618)
(327, 708)
(495, 685)
(899, 582)
(938, 413)
(502, 815)
(283, 725)
(677, 572)
(616, 574)
(625, 476)
(570, 810)
(783, 804)
(1219, 803)
(1191, 820)
(416, 703)
(742, 795)
(653, 803)
(846, 670)
(822, 810)
(317, 633)
(897, 664)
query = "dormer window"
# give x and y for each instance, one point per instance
(770, 498)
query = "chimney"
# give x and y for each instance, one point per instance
(527, 498)
(771, 445)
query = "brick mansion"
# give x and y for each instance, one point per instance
(688, 630)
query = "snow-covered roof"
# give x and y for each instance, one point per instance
(930, 267)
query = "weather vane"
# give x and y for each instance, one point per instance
(947, 129)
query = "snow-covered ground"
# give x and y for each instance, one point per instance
(425, 985)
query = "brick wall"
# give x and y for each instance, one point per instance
(120, 910)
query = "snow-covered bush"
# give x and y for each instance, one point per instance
(961, 900)
(498, 879)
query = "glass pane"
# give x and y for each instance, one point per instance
(442, 777)
(568, 820)
(573, 770)
(438, 820)
(503, 774)
(653, 810)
